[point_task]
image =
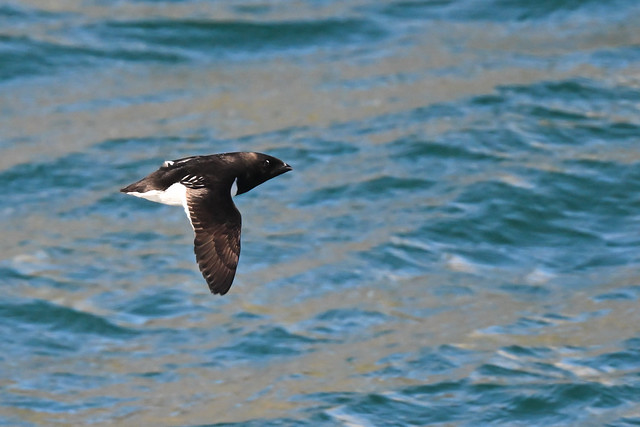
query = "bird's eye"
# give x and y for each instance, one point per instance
(267, 162)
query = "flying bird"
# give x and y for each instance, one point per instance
(204, 186)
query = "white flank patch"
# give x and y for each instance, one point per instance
(186, 210)
(167, 163)
(175, 195)
(234, 187)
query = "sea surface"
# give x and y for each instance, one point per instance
(457, 245)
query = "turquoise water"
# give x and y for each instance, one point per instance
(458, 243)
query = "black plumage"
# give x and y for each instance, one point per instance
(204, 186)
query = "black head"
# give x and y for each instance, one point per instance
(258, 168)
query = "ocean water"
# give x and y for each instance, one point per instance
(458, 243)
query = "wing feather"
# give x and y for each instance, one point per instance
(217, 225)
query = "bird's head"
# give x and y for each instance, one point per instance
(258, 168)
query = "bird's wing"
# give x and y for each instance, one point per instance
(217, 224)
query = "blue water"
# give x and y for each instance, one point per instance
(458, 244)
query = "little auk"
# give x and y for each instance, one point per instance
(204, 187)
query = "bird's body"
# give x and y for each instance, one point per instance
(204, 187)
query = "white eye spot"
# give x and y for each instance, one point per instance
(267, 162)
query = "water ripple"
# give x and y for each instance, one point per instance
(457, 243)
(235, 37)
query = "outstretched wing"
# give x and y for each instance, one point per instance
(217, 224)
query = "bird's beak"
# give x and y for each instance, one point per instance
(282, 169)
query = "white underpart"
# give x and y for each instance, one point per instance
(234, 187)
(175, 195)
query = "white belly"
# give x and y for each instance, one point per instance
(175, 195)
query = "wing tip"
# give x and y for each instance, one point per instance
(219, 282)
(219, 288)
